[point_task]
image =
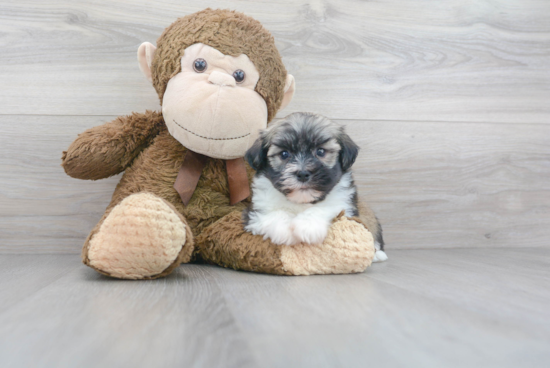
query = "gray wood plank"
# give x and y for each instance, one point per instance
(423, 308)
(405, 318)
(22, 275)
(433, 185)
(506, 284)
(386, 60)
(87, 320)
(445, 185)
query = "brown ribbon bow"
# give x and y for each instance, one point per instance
(191, 170)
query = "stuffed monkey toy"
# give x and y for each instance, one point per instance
(220, 79)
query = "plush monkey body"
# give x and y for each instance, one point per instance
(146, 230)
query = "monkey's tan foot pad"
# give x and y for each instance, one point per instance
(143, 237)
(348, 248)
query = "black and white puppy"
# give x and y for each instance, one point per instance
(303, 181)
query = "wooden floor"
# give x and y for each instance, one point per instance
(423, 308)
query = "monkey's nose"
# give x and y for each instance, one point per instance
(221, 79)
(303, 176)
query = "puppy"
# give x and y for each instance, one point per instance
(303, 181)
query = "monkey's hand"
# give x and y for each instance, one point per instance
(108, 149)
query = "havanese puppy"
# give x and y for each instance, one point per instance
(303, 181)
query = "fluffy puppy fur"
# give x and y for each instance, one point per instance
(303, 181)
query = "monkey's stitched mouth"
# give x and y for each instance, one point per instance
(212, 139)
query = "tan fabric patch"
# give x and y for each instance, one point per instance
(141, 237)
(348, 248)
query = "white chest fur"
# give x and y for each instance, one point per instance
(286, 222)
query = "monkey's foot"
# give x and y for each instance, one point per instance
(348, 248)
(143, 237)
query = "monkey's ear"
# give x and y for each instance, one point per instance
(290, 87)
(145, 54)
(256, 156)
(349, 151)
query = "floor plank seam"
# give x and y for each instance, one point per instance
(440, 302)
(37, 291)
(112, 116)
(227, 306)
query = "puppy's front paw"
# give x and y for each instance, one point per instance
(275, 226)
(310, 231)
(280, 233)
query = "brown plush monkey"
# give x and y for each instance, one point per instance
(220, 79)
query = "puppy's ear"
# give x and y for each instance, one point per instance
(349, 151)
(256, 156)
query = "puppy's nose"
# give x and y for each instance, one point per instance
(303, 176)
(221, 79)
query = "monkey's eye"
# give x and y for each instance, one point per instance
(238, 75)
(199, 65)
(321, 152)
(284, 155)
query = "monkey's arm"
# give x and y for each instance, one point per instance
(108, 149)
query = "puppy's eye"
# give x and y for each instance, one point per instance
(199, 65)
(284, 155)
(238, 75)
(321, 152)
